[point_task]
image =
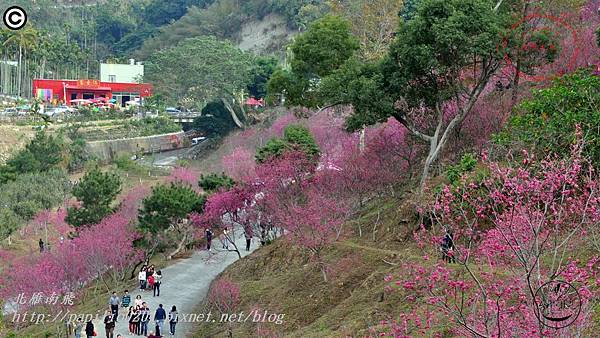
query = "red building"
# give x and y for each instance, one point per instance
(63, 91)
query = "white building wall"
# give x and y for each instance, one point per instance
(110, 72)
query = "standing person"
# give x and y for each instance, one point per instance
(447, 248)
(157, 282)
(126, 299)
(248, 240)
(142, 278)
(138, 301)
(130, 316)
(149, 273)
(136, 321)
(159, 317)
(151, 281)
(41, 244)
(173, 319)
(109, 325)
(78, 327)
(89, 329)
(225, 240)
(144, 319)
(209, 237)
(114, 303)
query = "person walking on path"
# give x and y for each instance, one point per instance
(41, 244)
(114, 303)
(209, 237)
(89, 329)
(173, 319)
(144, 319)
(157, 281)
(248, 240)
(78, 328)
(126, 299)
(109, 325)
(142, 278)
(159, 317)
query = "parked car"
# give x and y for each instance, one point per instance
(197, 140)
(172, 110)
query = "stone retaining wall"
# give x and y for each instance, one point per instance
(107, 150)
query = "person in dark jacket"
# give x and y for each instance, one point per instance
(248, 240)
(89, 329)
(159, 317)
(448, 247)
(126, 299)
(109, 325)
(209, 237)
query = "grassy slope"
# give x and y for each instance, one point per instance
(279, 278)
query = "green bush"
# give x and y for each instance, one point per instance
(548, 121)
(295, 137)
(273, 148)
(467, 164)
(213, 182)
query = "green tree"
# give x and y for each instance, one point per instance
(201, 70)
(264, 67)
(213, 182)
(324, 47)
(441, 59)
(96, 191)
(164, 214)
(167, 205)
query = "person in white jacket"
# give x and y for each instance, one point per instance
(142, 278)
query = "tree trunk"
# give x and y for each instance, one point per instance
(179, 248)
(233, 114)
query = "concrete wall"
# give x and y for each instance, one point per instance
(109, 149)
(123, 73)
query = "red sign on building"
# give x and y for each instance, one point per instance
(64, 91)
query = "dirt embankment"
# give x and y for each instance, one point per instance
(13, 138)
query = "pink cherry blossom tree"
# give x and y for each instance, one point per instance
(512, 233)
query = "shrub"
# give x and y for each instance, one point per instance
(548, 121)
(467, 163)
(28, 194)
(213, 182)
(296, 138)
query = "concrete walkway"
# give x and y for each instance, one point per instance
(185, 285)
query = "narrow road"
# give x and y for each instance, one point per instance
(185, 285)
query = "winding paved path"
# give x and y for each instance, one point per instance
(185, 284)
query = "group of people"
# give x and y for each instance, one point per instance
(150, 279)
(225, 239)
(138, 317)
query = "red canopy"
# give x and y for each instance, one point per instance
(254, 102)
